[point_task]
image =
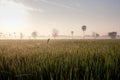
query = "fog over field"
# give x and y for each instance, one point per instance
(59, 39)
(42, 16)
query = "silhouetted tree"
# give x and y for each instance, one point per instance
(34, 34)
(55, 33)
(95, 35)
(112, 35)
(84, 29)
(72, 32)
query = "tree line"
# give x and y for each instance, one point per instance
(55, 33)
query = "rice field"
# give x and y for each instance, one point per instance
(60, 60)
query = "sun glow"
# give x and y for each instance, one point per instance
(13, 15)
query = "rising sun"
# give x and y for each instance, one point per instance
(12, 15)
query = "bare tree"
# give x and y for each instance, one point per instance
(34, 34)
(112, 35)
(54, 33)
(72, 32)
(84, 29)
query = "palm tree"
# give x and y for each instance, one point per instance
(84, 29)
(72, 32)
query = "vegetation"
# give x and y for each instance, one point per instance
(60, 60)
(72, 32)
(34, 34)
(113, 35)
(84, 27)
(55, 33)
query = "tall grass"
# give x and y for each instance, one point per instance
(60, 60)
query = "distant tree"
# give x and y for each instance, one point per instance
(34, 34)
(9, 34)
(112, 35)
(0, 34)
(84, 29)
(95, 35)
(14, 34)
(72, 32)
(21, 35)
(54, 33)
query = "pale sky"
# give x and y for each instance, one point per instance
(101, 16)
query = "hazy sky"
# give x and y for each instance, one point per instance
(100, 16)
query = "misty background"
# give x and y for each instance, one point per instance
(42, 16)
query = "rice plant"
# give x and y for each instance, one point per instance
(60, 60)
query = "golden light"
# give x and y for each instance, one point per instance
(12, 15)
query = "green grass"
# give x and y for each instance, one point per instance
(60, 60)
